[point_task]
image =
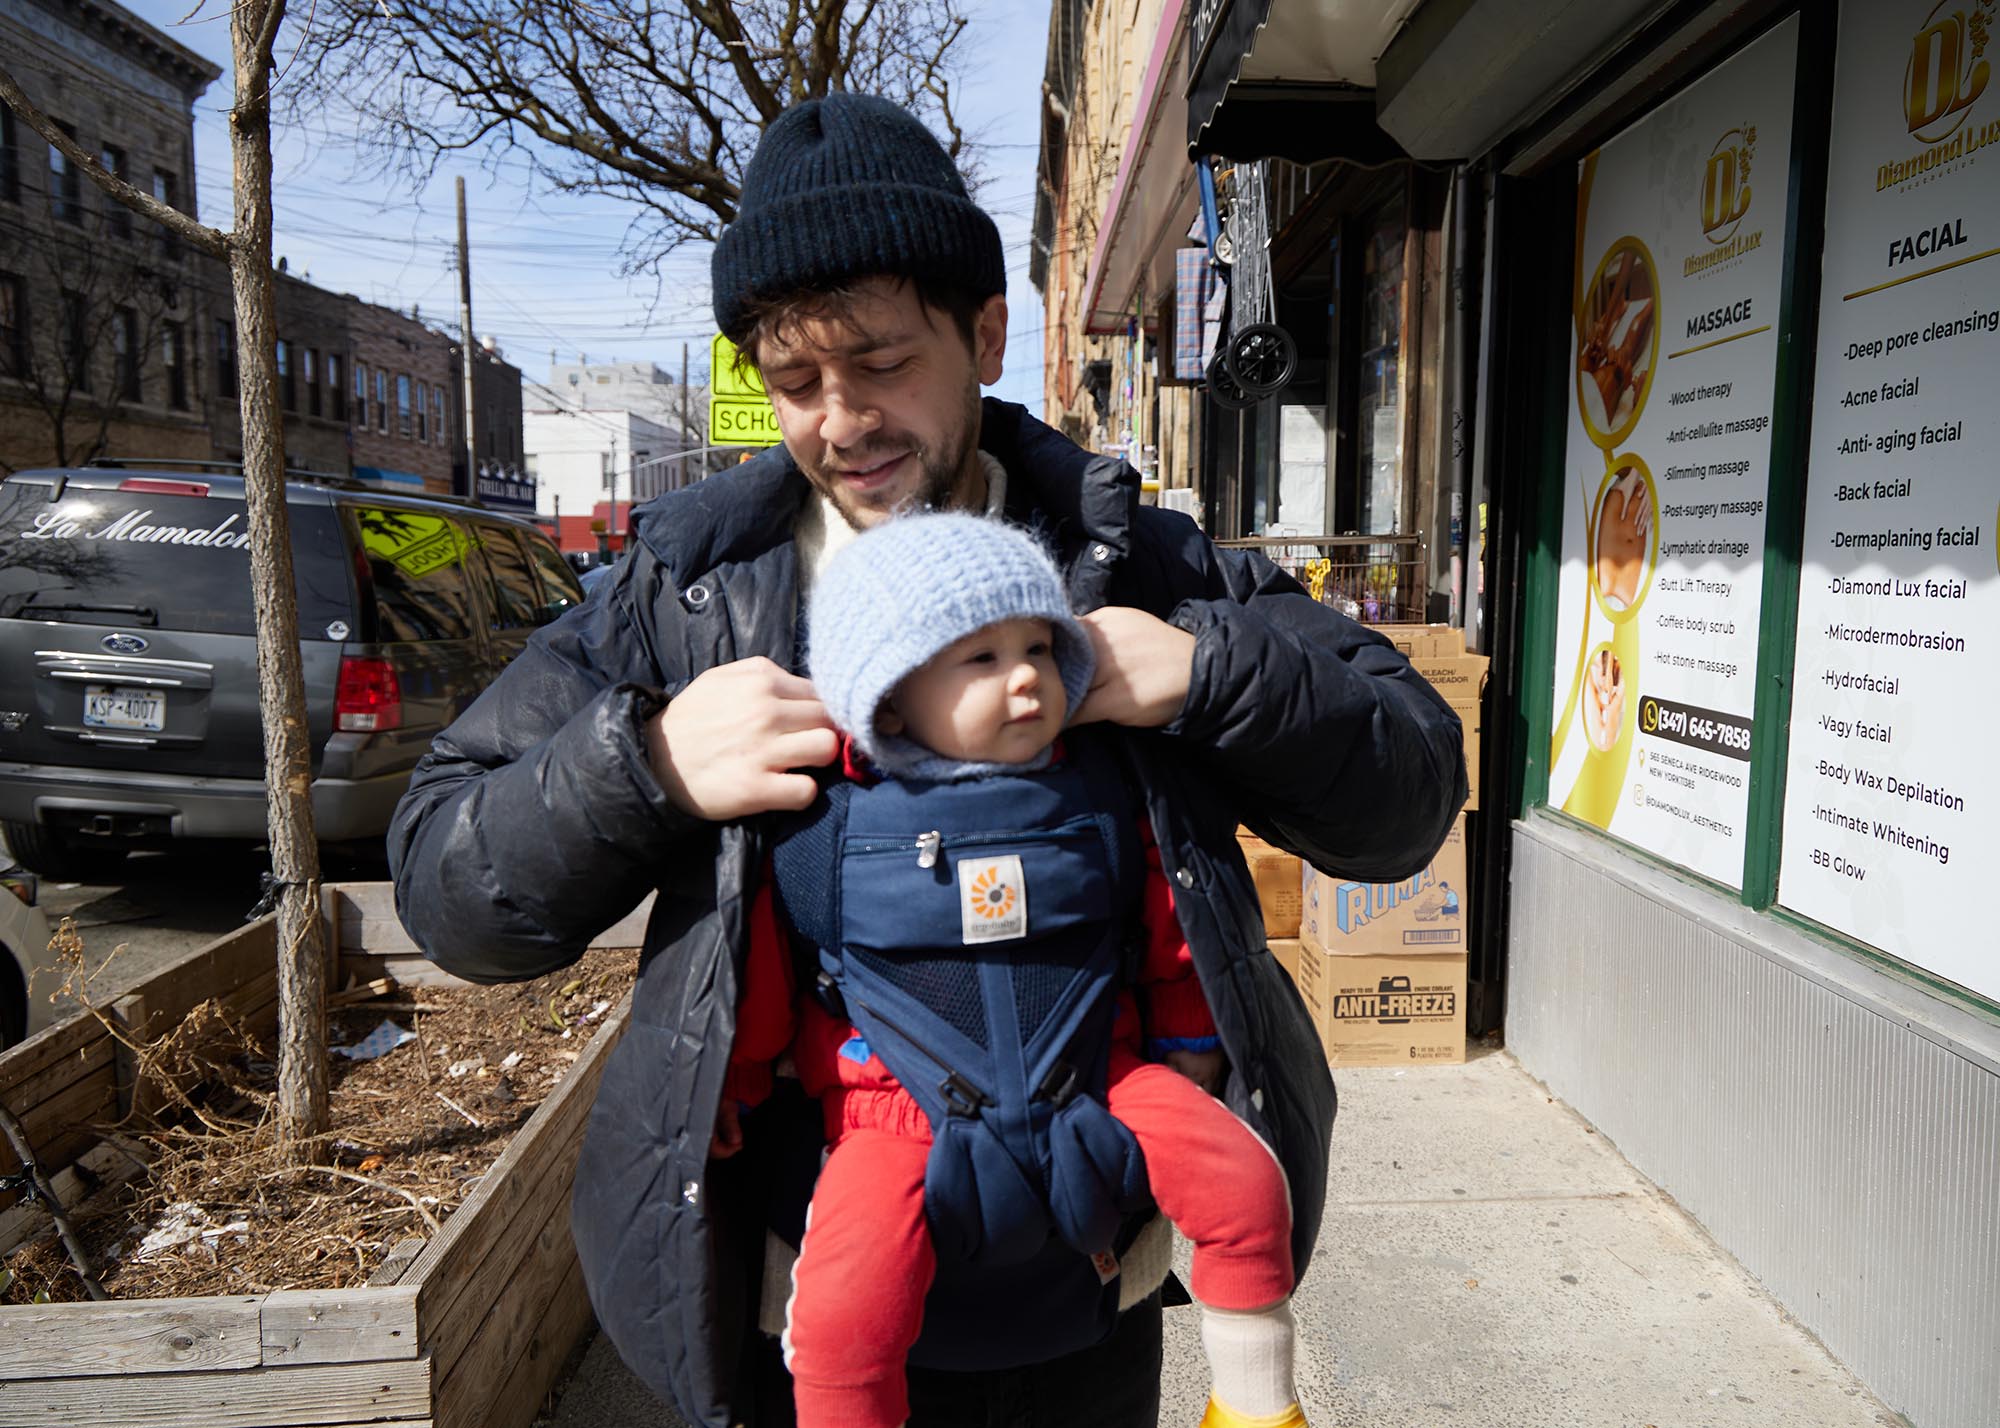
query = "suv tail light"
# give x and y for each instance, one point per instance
(157, 487)
(367, 699)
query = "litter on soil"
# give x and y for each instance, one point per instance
(436, 1083)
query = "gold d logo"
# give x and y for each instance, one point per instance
(1725, 184)
(1946, 71)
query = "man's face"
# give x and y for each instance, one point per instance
(994, 697)
(880, 406)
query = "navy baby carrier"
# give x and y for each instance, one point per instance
(976, 934)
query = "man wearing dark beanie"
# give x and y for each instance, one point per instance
(645, 743)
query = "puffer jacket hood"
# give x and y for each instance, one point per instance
(535, 822)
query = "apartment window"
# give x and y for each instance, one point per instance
(336, 391)
(492, 435)
(65, 195)
(604, 464)
(423, 410)
(437, 413)
(173, 349)
(125, 346)
(309, 369)
(10, 163)
(76, 350)
(381, 401)
(288, 380)
(225, 357)
(13, 326)
(117, 217)
(360, 392)
(403, 404)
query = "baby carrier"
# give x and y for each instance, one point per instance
(977, 934)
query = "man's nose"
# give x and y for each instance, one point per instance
(844, 420)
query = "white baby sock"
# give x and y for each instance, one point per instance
(1250, 1357)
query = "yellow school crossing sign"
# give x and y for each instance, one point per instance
(739, 414)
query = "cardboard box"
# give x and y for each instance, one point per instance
(1386, 1011)
(1280, 888)
(1423, 914)
(1459, 677)
(1468, 715)
(1429, 640)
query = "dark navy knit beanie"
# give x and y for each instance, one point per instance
(850, 186)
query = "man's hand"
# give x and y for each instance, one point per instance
(1204, 1068)
(725, 746)
(1144, 665)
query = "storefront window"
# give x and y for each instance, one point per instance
(1379, 431)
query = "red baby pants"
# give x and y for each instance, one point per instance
(867, 1261)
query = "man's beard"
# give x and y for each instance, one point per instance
(944, 469)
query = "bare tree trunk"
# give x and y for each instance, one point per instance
(302, 1073)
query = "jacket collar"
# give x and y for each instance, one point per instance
(1076, 500)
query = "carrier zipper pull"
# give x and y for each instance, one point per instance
(927, 848)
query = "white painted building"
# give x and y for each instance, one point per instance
(597, 433)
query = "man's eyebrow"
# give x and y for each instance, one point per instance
(861, 346)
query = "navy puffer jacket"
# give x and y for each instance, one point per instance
(535, 822)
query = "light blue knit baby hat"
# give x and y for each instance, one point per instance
(907, 588)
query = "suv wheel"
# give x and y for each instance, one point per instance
(61, 856)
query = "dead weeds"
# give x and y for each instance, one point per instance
(221, 1209)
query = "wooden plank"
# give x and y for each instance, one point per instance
(629, 930)
(338, 1326)
(127, 1336)
(400, 1258)
(215, 970)
(470, 1233)
(59, 1128)
(308, 1394)
(366, 919)
(514, 1397)
(410, 970)
(51, 1080)
(456, 1305)
(105, 1165)
(47, 1047)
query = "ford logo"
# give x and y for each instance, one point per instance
(123, 644)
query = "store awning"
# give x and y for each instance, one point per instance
(1466, 72)
(1153, 196)
(1289, 79)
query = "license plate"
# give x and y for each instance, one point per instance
(109, 706)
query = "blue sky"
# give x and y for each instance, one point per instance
(544, 264)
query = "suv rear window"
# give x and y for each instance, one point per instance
(97, 557)
(416, 562)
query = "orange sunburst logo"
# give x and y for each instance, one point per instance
(993, 897)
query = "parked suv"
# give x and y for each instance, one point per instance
(128, 663)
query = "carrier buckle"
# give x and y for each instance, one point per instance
(827, 992)
(961, 1097)
(1059, 1086)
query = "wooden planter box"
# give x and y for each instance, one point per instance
(465, 1331)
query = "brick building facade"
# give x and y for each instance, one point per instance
(100, 311)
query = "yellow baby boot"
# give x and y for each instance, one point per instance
(1221, 1415)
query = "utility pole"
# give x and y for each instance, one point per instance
(465, 340)
(686, 432)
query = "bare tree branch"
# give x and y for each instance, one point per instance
(199, 235)
(657, 102)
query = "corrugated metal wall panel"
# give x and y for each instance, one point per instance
(1846, 1150)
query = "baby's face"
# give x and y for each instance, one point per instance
(994, 697)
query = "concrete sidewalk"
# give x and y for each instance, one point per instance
(1486, 1261)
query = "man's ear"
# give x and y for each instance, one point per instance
(989, 339)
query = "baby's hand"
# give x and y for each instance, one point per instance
(1204, 1068)
(728, 1137)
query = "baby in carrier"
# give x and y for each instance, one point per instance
(968, 949)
